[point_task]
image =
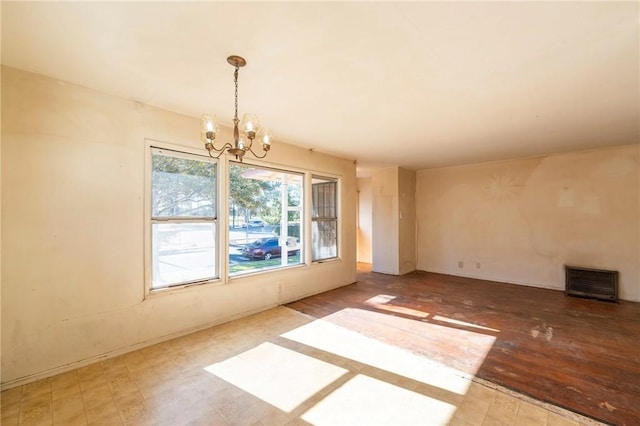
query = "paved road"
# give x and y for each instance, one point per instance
(239, 237)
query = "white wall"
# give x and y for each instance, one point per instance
(365, 232)
(73, 219)
(520, 221)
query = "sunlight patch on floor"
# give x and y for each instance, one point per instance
(365, 401)
(279, 376)
(381, 301)
(365, 365)
(457, 348)
(463, 323)
(349, 344)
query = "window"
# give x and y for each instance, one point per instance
(324, 219)
(265, 211)
(183, 218)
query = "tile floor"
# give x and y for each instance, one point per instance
(257, 371)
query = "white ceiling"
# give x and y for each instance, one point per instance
(415, 84)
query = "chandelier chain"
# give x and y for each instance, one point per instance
(235, 79)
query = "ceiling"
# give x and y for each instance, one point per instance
(414, 84)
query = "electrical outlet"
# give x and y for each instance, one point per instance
(477, 265)
(460, 264)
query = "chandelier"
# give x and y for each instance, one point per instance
(250, 126)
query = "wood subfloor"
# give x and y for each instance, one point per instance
(580, 354)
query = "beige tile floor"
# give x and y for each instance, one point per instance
(256, 371)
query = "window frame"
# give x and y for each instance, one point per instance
(222, 219)
(302, 208)
(337, 219)
(178, 151)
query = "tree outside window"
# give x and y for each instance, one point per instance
(265, 231)
(183, 219)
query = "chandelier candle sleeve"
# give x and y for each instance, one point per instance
(250, 126)
(266, 139)
(209, 130)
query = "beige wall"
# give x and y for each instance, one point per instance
(365, 232)
(0, 217)
(520, 221)
(73, 217)
(384, 189)
(394, 225)
(407, 220)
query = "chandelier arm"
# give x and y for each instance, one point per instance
(220, 151)
(222, 148)
(259, 156)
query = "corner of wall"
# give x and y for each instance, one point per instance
(0, 213)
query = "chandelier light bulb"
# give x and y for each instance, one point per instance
(266, 139)
(209, 125)
(250, 125)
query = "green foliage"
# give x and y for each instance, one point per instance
(182, 187)
(245, 193)
(262, 264)
(257, 197)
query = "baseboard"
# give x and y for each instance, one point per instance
(112, 354)
(517, 282)
(313, 293)
(498, 280)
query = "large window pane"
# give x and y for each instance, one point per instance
(324, 217)
(265, 211)
(324, 239)
(182, 187)
(183, 253)
(183, 218)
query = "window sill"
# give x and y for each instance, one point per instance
(331, 260)
(266, 271)
(170, 290)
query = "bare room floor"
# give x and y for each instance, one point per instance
(575, 353)
(283, 367)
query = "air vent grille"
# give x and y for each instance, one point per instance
(592, 283)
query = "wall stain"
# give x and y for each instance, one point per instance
(502, 186)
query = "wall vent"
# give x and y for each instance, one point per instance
(593, 283)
